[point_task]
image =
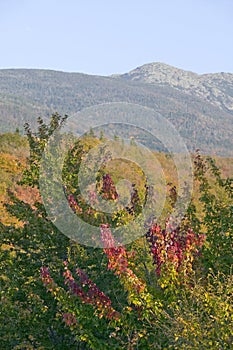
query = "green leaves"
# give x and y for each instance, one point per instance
(122, 303)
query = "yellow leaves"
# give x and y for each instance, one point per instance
(83, 338)
(11, 168)
(4, 278)
(13, 254)
(134, 299)
(9, 164)
(96, 214)
(140, 335)
(6, 246)
(55, 291)
(128, 308)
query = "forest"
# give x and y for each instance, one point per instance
(168, 287)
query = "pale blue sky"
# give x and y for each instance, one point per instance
(107, 36)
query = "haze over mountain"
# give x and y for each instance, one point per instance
(199, 106)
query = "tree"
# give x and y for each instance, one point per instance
(164, 290)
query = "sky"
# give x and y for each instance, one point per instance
(105, 37)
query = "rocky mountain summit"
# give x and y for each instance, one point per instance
(216, 88)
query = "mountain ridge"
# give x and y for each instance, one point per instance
(204, 122)
(207, 85)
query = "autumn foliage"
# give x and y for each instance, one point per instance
(169, 289)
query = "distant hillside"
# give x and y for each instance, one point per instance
(14, 150)
(200, 107)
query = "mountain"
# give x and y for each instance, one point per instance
(199, 106)
(215, 88)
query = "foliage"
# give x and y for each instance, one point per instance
(218, 218)
(13, 151)
(170, 289)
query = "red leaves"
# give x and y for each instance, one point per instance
(74, 288)
(172, 245)
(69, 319)
(118, 260)
(92, 296)
(108, 189)
(106, 237)
(117, 256)
(73, 204)
(46, 278)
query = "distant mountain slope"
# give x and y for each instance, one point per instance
(204, 121)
